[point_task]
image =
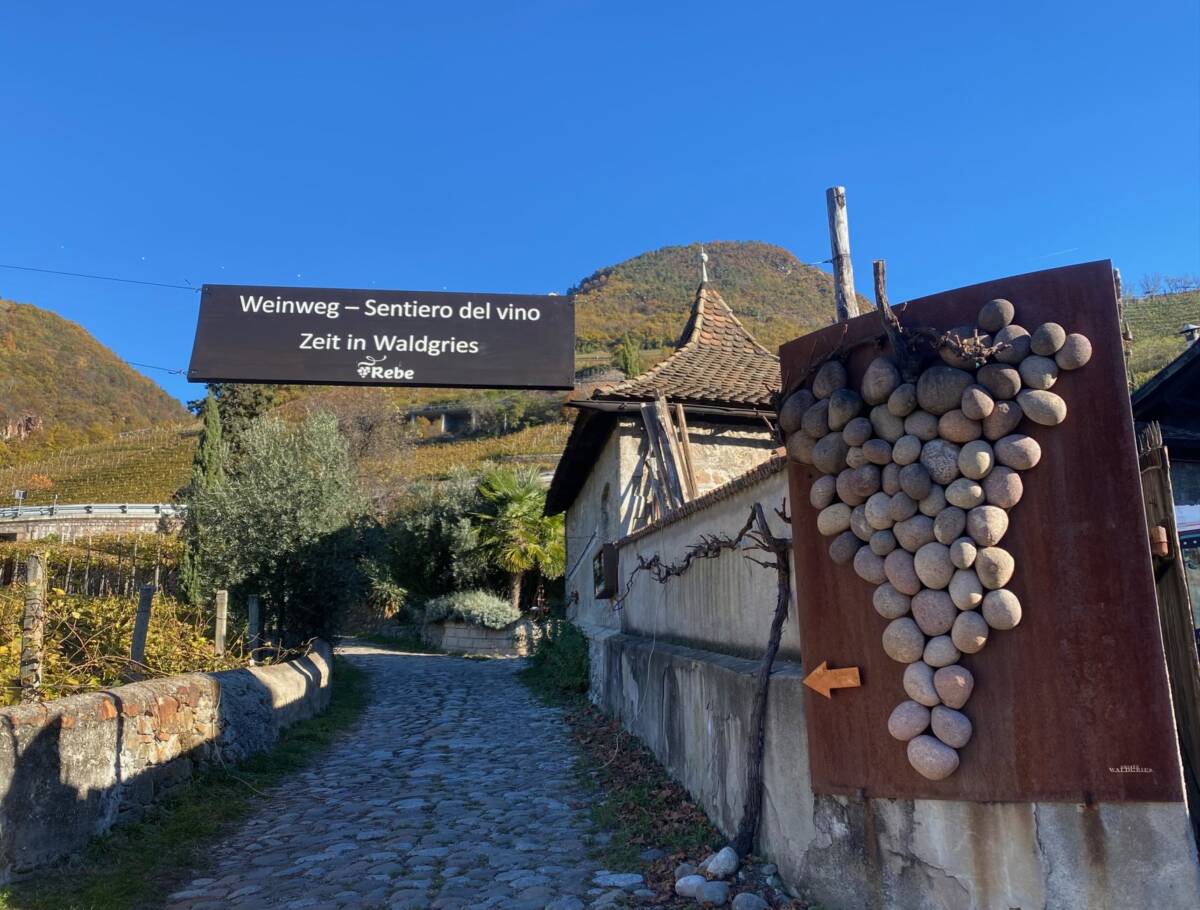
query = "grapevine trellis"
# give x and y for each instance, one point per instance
(919, 469)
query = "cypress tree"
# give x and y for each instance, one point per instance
(207, 469)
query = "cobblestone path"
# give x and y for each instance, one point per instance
(455, 790)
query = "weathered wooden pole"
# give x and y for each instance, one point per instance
(253, 624)
(839, 240)
(222, 619)
(141, 625)
(33, 628)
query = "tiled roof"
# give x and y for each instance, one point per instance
(717, 363)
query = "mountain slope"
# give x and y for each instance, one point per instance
(59, 382)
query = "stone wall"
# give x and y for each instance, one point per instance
(70, 769)
(516, 640)
(71, 529)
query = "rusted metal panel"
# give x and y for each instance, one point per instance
(1072, 704)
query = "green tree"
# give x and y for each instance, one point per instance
(241, 403)
(514, 532)
(208, 470)
(628, 357)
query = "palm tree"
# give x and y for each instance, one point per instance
(515, 534)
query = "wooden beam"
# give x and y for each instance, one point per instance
(658, 435)
(839, 241)
(686, 447)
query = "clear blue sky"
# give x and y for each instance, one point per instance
(520, 146)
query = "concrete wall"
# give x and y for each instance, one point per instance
(70, 769)
(72, 529)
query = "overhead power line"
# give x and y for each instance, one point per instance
(153, 284)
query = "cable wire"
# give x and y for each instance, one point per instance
(153, 284)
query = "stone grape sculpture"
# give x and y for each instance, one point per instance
(917, 482)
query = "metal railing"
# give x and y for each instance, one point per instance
(92, 510)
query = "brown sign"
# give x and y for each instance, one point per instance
(1073, 703)
(338, 336)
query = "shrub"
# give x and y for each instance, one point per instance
(559, 666)
(481, 607)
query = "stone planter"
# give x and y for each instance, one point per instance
(453, 637)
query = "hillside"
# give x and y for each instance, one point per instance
(1154, 322)
(62, 387)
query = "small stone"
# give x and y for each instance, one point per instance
(914, 533)
(1017, 339)
(724, 864)
(879, 381)
(957, 427)
(887, 425)
(994, 567)
(970, 632)
(940, 388)
(951, 727)
(976, 459)
(915, 479)
(860, 483)
(933, 565)
(858, 524)
(995, 315)
(748, 900)
(624, 880)
(650, 854)
(932, 758)
(1038, 372)
(987, 524)
(940, 651)
(869, 567)
(890, 603)
(919, 683)
(1048, 338)
(1004, 418)
(964, 493)
(889, 479)
(1003, 487)
(713, 894)
(903, 400)
(933, 504)
(855, 457)
(793, 409)
(683, 870)
(900, 570)
(940, 459)
(965, 591)
(934, 612)
(815, 421)
(949, 525)
(830, 377)
(1045, 408)
(877, 451)
(844, 406)
(769, 869)
(879, 511)
(906, 450)
(908, 719)
(857, 431)
(963, 552)
(953, 685)
(902, 506)
(822, 491)
(829, 454)
(903, 641)
(565, 903)
(976, 403)
(882, 542)
(800, 447)
(1001, 609)
(843, 548)
(1075, 352)
(1018, 451)
(689, 885)
(833, 519)
(1002, 381)
(921, 424)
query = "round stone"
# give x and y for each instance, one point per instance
(914, 533)
(995, 315)
(919, 684)
(890, 603)
(1003, 420)
(1018, 451)
(949, 524)
(1075, 352)
(830, 377)
(900, 572)
(915, 479)
(976, 403)
(987, 524)
(800, 448)
(879, 507)
(1002, 381)
(822, 492)
(962, 553)
(792, 411)
(1001, 609)
(889, 479)
(902, 506)
(965, 590)
(903, 400)
(858, 523)
(833, 519)
(829, 454)
(940, 652)
(854, 456)
(933, 565)
(877, 451)
(953, 685)
(887, 425)
(879, 381)
(940, 459)
(1017, 339)
(933, 504)
(863, 481)
(1038, 372)
(844, 406)
(815, 421)
(844, 485)
(1048, 338)
(932, 758)
(940, 388)
(934, 612)
(976, 459)
(869, 567)
(857, 431)
(1003, 487)
(950, 726)
(908, 719)
(882, 543)
(964, 493)
(970, 632)
(903, 641)
(843, 548)
(1045, 408)
(994, 567)
(921, 424)
(906, 450)
(957, 427)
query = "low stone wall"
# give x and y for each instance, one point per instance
(70, 769)
(516, 640)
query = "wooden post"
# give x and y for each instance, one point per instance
(253, 629)
(33, 628)
(222, 619)
(686, 447)
(839, 240)
(141, 625)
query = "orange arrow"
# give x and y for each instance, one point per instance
(823, 679)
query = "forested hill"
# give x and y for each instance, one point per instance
(58, 380)
(775, 295)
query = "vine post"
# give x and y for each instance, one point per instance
(33, 627)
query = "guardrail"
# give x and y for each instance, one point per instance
(92, 510)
